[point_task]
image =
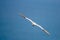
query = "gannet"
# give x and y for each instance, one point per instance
(35, 24)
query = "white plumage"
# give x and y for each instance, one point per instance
(35, 24)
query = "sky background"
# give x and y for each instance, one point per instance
(44, 12)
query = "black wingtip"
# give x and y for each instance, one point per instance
(22, 15)
(46, 32)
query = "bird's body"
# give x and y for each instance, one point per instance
(31, 21)
(35, 24)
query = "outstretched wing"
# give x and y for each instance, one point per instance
(43, 29)
(46, 32)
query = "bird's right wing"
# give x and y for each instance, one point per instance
(43, 29)
(46, 32)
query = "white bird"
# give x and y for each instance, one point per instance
(35, 24)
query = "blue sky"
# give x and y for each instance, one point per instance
(44, 12)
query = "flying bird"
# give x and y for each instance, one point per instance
(35, 24)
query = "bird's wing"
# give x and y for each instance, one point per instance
(23, 16)
(43, 29)
(46, 32)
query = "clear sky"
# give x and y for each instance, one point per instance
(44, 12)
